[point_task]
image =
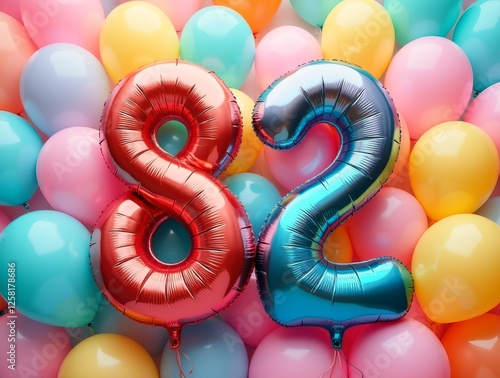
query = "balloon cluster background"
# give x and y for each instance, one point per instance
(438, 213)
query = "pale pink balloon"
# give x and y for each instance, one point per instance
(484, 112)
(12, 8)
(4, 220)
(283, 49)
(297, 352)
(51, 21)
(39, 348)
(417, 313)
(248, 317)
(403, 348)
(178, 12)
(390, 224)
(73, 175)
(307, 159)
(430, 80)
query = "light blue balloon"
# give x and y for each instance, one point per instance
(63, 85)
(219, 39)
(478, 34)
(20, 146)
(314, 11)
(257, 194)
(414, 19)
(171, 242)
(491, 209)
(50, 255)
(172, 136)
(212, 349)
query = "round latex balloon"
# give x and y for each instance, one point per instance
(453, 169)
(15, 48)
(478, 33)
(136, 34)
(53, 271)
(359, 32)
(19, 149)
(63, 85)
(455, 267)
(108, 355)
(314, 11)
(430, 80)
(473, 347)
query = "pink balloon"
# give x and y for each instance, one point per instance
(178, 12)
(39, 349)
(389, 225)
(430, 80)
(484, 112)
(283, 49)
(310, 157)
(418, 314)
(51, 21)
(297, 352)
(404, 348)
(248, 317)
(4, 220)
(74, 177)
(12, 8)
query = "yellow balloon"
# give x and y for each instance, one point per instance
(360, 32)
(338, 247)
(108, 355)
(456, 268)
(453, 169)
(136, 34)
(251, 146)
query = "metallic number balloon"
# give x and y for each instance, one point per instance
(297, 283)
(181, 187)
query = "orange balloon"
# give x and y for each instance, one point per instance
(15, 48)
(258, 13)
(400, 175)
(473, 347)
(338, 247)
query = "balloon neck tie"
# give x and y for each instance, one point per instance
(336, 335)
(26, 206)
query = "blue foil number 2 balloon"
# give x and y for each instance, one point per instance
(297, 284)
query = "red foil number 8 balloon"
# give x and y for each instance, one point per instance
(181, 187)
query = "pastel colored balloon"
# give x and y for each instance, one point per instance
(15, 49)
(219, 39)
(109, 5)
(453, 169)
(297, 353)
(491, 209)
(248, 317)
(136, 34)
(30, 348)
(53, 21)
(283, 49)
(338, 246)
(63, 85)
(416, 312)
(251, 146)
(314, 11)
(484, 112)
(257, 195)
(430, 80)
(311, 156)
(404, 348)
(209, 349)
(389, 225)
(399, 175)
(171, 242)
(19, 149)
(108, 355)
(74, 177)
(177, 12)
(455, 267)
(473, 347)
(257, 13)
(478, 33)
(12, 8)
(415, 19)
(53, 272)
(359, 32)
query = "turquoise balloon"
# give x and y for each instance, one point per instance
(172, 136)
(20, 145)
(219, 39)
(414, 19)
(314, 11)
(48, 253)
(210, 349)
(257, 195)
(171, 242)
(478, 34)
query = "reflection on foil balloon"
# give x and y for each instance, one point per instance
(298, 284)
(180, 187)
